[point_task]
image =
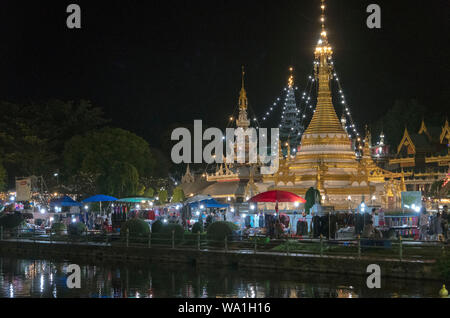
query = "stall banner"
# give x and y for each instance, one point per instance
(23, 189)
(412, 199)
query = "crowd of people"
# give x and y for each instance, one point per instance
(434, 227)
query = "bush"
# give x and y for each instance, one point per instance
(136, 228)
(217, 231)
(58, 228)
(157, 226)
(11, 221)
(197, 228)
(166, 231)
(76, 229)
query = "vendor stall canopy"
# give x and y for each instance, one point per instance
(64, 201)
(135, 200)
(100, 198)
(208, 203)
(277, 196)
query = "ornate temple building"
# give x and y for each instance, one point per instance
(424, 156)
(326, 159)
(231, 182)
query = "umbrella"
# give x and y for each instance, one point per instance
(277, 196)
(64, 201)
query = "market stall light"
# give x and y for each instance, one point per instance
(197, 213)
(51, 219)
(252, 207)
(43, 211)
(12, 198)
(86, 207)
(74, 220)
(297, 204)
(232, 209)
(165, 220)
(202, 206)
(244, 215)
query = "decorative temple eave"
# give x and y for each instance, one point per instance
(445, 134)
(406, 142)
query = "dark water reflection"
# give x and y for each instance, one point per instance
(43, 278)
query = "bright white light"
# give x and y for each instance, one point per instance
(374, 197)
(51, 219)
(417, 209)
(252, 207)
(165, 220)
(12, 198)
(202, 206)
(138, 206)
(349, 198)
(244, 215)
(86, 207)
(296, 204)
(151, 203)
(74, 220)
(43, 211)
(232, 209)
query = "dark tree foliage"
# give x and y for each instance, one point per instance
(114, 158)
(32, 135)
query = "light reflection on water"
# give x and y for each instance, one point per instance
(47, 279)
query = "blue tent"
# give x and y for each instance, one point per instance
(64, 201)
(100, 198)
(209, 203)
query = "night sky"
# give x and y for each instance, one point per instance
(150, 64)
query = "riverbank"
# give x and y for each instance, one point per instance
(293, 262)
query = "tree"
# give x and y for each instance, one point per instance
(178, 195)
(33, 135)
(163, 196)
(2, 177)
(116, 157)
(312, 197)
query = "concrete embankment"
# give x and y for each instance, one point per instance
(340, 265)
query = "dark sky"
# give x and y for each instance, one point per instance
(152, 63)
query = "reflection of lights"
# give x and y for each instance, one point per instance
(42, 283)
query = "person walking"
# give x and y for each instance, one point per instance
(444, 222)
(423, 225)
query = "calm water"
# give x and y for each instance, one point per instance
(44, 278)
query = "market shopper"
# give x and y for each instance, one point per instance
(423, 225)
(444, 222)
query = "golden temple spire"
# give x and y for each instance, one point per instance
(291, 78)
(243, 121)
(324, 119)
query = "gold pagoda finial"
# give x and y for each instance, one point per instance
(324, 119)
(291, 78)
(243, 103)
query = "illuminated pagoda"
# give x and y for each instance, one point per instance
(326, 159)
(231, 182)
(291, 128)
